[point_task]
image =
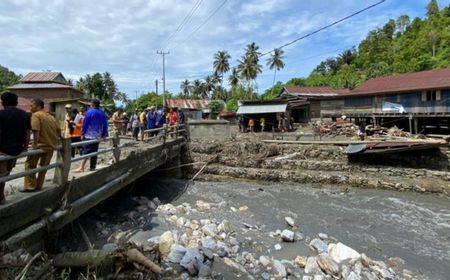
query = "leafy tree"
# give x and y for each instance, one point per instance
(150, 99)
(215, 107)
(7, 78)
(432, 8)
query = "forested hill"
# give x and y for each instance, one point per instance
(400, 46)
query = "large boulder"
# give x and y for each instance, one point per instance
(340, 252)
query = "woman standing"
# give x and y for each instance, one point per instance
(77, 123)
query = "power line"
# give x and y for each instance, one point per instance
(325, 27)
(185, 21)
(201, 25)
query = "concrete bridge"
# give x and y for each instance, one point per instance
(28, 219)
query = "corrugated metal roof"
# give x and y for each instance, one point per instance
(261, 109)
(432, 79)
(43, 77)
(187, 104)
(313, 91)
(39, 85)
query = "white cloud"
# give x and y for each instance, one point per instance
(123, 37)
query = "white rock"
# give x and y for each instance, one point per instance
(287, 235)
(300, 261)
(243, 208)
(201, 205)
(323, 236)
(318, 277)
(176, 253)
(265, 261)
(209, 229)
(166, 241)
(225, 226)
(328, 265)
(290, 221)
(340, 252)
(277, 247)
(192, 260)
(307, 277)
(279, 268)
(318, 245)
(233, 209)
(353, 276)
(311, 266)
(181, 221)
(209, 243)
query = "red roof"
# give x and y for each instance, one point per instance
(314, 91)
(187, 103)
(44, 77)
(432, 79)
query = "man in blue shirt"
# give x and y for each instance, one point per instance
(151, 120)
(95, 127)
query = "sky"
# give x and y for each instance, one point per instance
(122, 37)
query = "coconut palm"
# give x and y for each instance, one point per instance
(210, 84)
(196, 88)
(186, 88)
(249, 66)
(275, 62)
(233, 80)
(221, 63)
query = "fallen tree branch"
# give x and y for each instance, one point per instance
(136, 256)
(82, 259)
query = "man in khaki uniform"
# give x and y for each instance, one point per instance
(45, 136)
(117, 119)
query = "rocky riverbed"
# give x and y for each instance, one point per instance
(218, 230)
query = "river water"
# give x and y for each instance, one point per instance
(382, 224)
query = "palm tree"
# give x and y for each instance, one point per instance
(249, 66)
(196, 88)
(221, 63)
(210, 84)
(275, 62)
(233, 80)
(186, 88)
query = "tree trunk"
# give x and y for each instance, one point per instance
(273, 83)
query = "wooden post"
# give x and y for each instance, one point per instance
(410, 123)
(64, 157)
(165, 134)
(115, 142)
(416, 125)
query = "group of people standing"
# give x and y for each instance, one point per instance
(17, 127)
(151, 118)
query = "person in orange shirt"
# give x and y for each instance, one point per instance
(77, 124)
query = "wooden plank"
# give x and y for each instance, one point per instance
(348, 142)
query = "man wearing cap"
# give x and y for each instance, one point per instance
(68, 121)
(95, 127)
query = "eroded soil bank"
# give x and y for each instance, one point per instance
(419, 171)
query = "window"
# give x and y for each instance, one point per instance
(431, 95)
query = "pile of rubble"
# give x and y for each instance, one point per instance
(348, 129)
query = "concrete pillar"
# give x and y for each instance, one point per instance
(64, 158)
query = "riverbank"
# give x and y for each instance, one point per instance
(251, 159)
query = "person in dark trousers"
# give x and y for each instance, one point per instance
(95, 127)
(15, 127)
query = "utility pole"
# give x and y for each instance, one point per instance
(164, 74)
(156, 86)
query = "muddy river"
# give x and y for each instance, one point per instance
(414, 227)
(382, 224)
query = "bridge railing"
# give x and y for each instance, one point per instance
(64, 158)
